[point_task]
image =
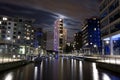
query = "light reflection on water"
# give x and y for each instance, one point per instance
(80, 71)
(9, 76)
(35, 72)
(59, 69)
(95, 72)
(106, 77)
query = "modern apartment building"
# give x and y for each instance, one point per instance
(91, 36)
(60, 36)
(16, 35)
(110, 26)
(78, 41)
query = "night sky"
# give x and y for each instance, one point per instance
(45, 12)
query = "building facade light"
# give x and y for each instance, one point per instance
(5, 19)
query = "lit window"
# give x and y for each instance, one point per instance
(94, 18)
(60, 19)
(8, 31)
(86, 44)
(90, 35)
(61, 34)
(8, 38)
(32, 30)
(25, 24)
(0, 22)
(18, 37)
(28, 38)
(90, 43)
(95, 46)
(14, 41)
(4, 18)
(14, 56)
(107, 42)
(74, 34)
(24, 36)
(94, 29)
(28, 33)
(28, 26)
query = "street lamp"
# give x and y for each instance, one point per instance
(95, 46)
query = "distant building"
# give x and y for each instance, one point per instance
(110, 26)
(78, 41)
(91, 35)
(50, 41)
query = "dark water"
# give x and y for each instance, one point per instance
(59, 69)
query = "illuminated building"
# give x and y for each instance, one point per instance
(40, 40)
(78, 41)
(60, 36)
(91, 35)
(16, 34)
(110, 26)
(56, 37)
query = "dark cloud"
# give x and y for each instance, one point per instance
(77, 9)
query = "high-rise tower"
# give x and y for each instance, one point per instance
(60, 34)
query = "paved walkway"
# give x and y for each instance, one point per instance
(5, 60)
(113, 59)
(106, 59)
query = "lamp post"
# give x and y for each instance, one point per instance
(95, 47)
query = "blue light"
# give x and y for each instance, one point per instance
(106, 39)
(115, 37)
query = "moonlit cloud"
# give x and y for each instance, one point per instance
(46, 11)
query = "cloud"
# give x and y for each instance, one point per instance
(70, 8)
(47, 11)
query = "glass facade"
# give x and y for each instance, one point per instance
(110, 26)
(91, 35)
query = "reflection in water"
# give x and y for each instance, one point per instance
(41, 70)
(9, 76)
(80, 70)
(72, 68)
(95, 72)
(59, 69)
(106, 77)
(35, 72)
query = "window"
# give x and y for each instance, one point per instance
(61, 31)
(61, 41)
(14, 32)
(8, 35)
(4, 23)
(4, 18)
(113, 6)
(9, 23)
(9, 27)
(3, 36)
(15, 24)
(20, 20)
(19, 32)
(14, 37)
(0, 22)
(15, 29)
